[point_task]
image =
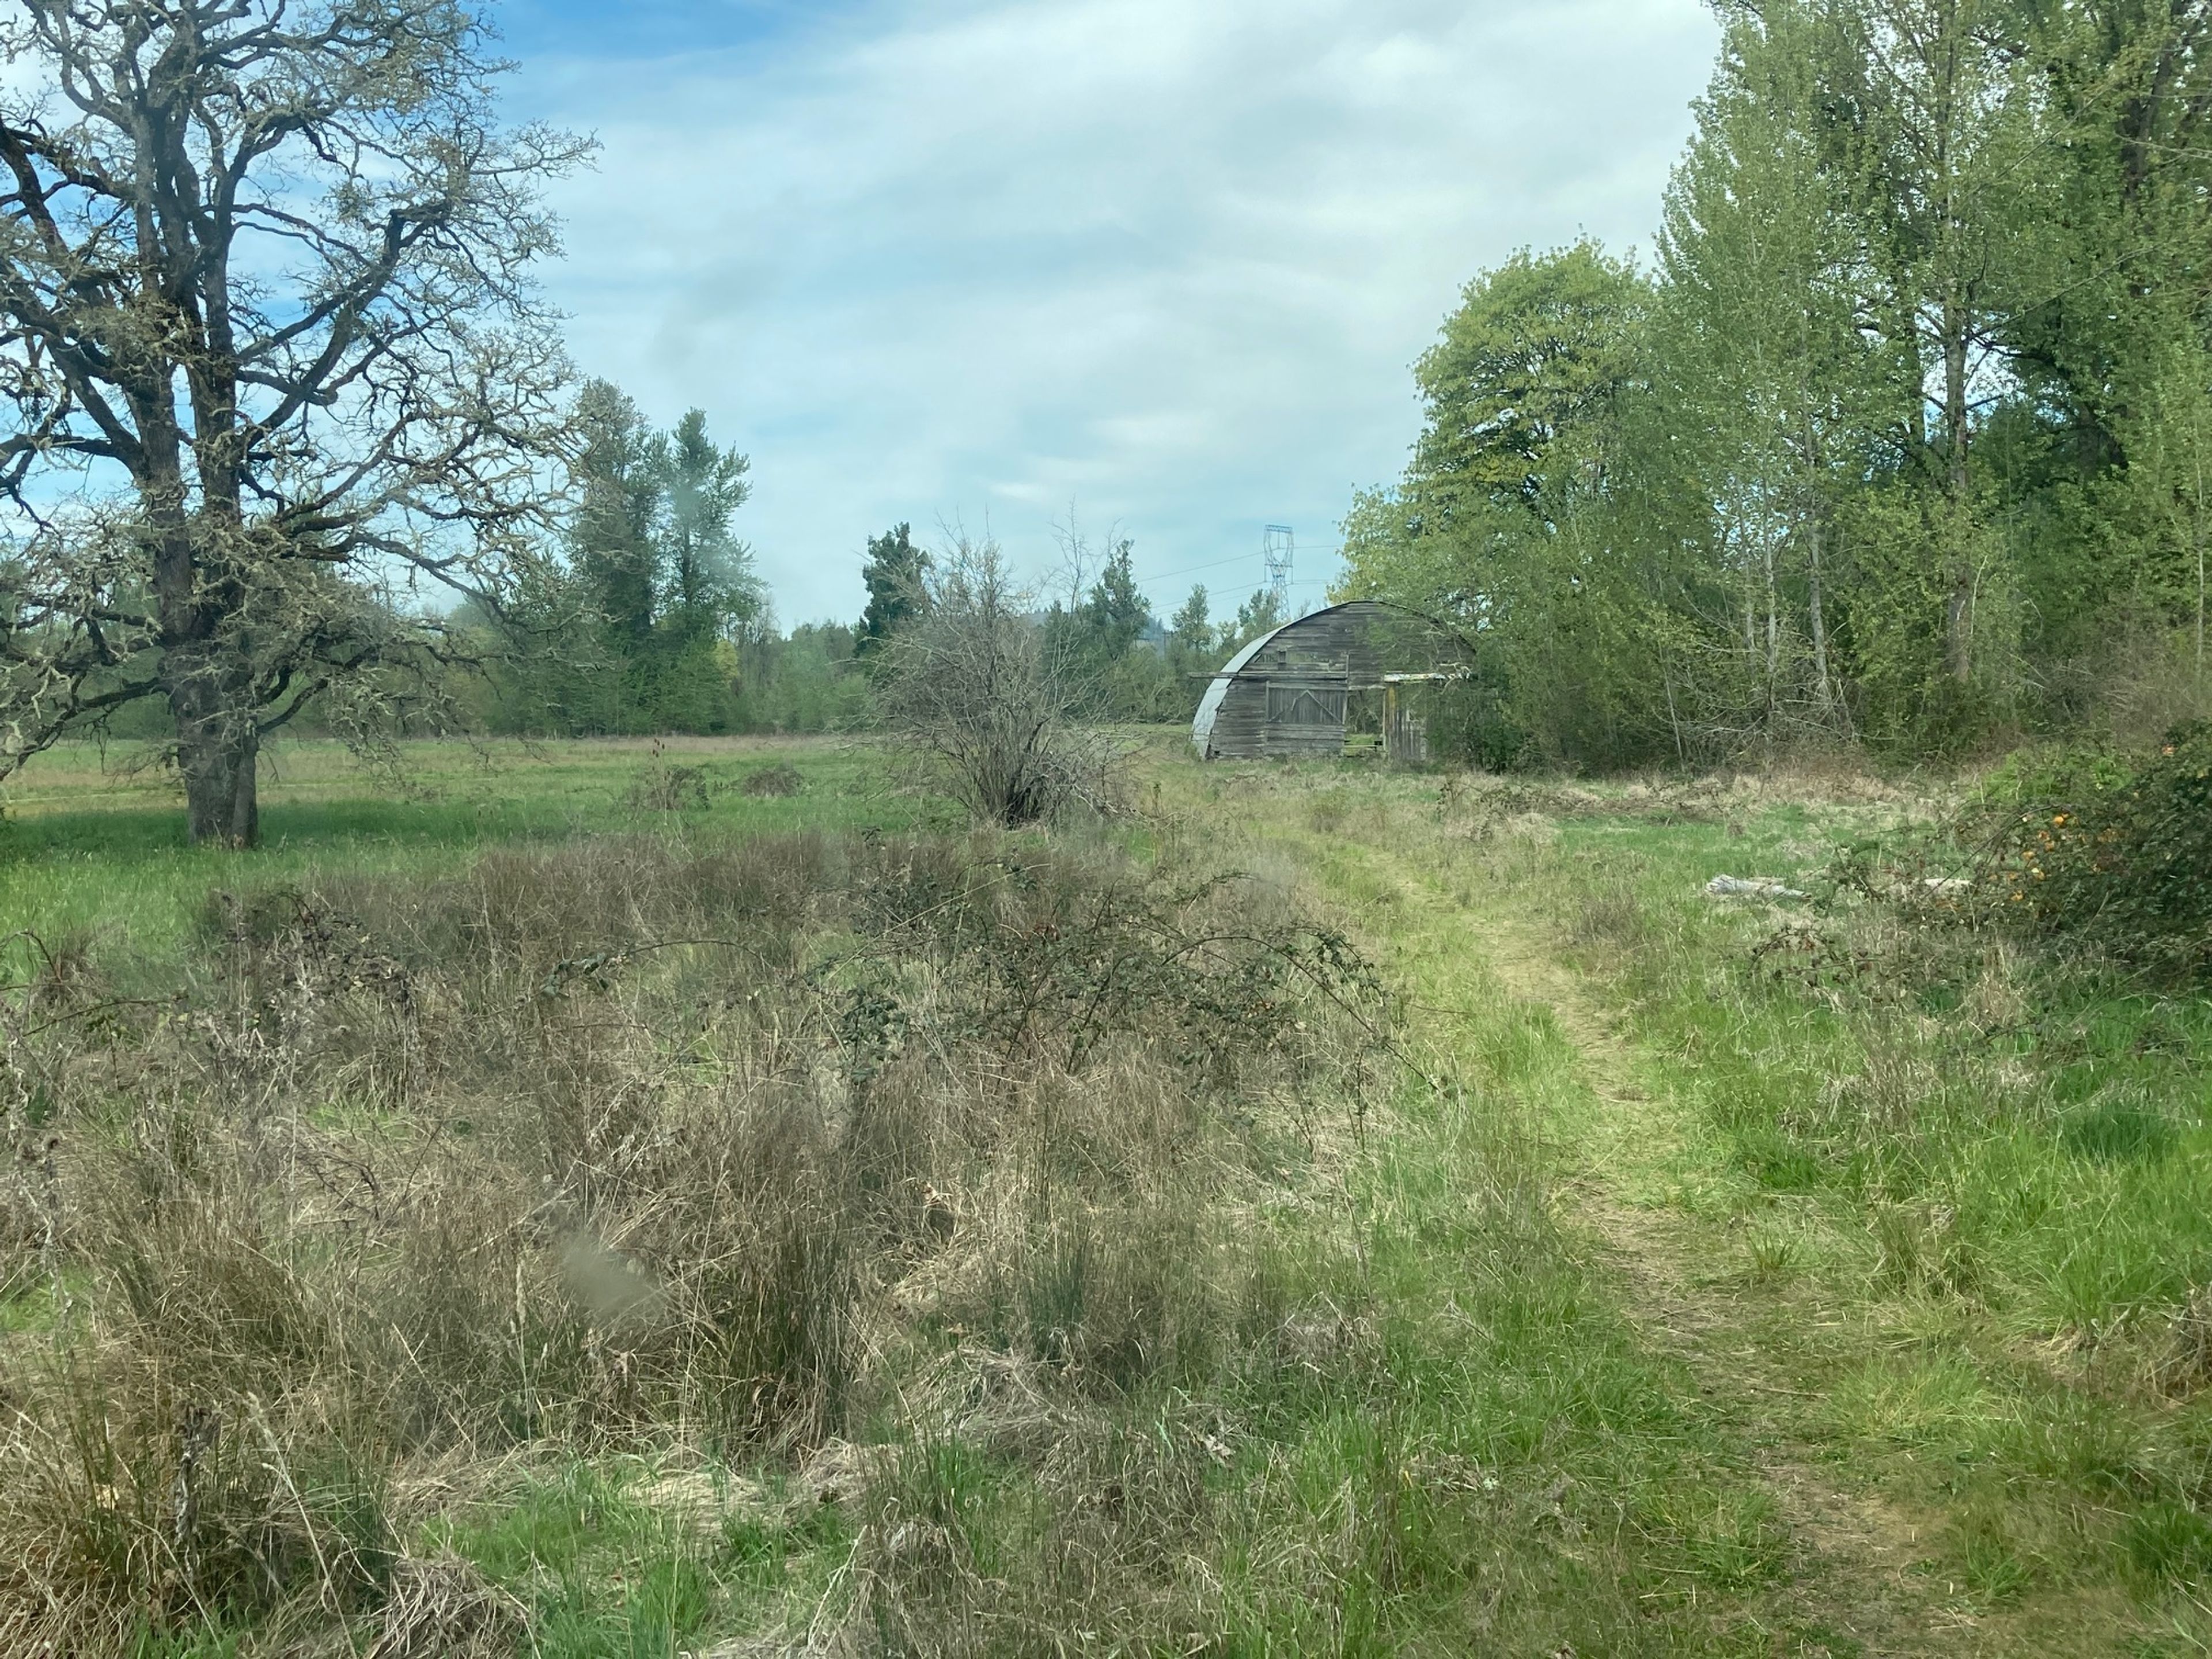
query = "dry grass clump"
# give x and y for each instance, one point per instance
(1488, 806)
(2184, 1367)
(440, 1607)
(608, 1145)
(1607, 913)
(779, 778)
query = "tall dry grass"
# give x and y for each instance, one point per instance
(618, 1145)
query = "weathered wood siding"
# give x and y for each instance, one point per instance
(1286, 697)
(1405, 725)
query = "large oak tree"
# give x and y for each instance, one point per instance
(270, 358)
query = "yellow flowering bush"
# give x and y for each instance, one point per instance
(2117, 856)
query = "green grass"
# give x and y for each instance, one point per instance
(607, 1570)
(1999, 1170)
(2058, 1116)
(91, 850)
(1682, 1211)
(1619, 1513)
(1933, 1205)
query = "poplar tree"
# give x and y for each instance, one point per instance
(1774, 400)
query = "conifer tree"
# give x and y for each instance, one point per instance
(897, 573)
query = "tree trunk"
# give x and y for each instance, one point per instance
(1773, 643)
(1825, 686)
(218, 752)
(1959, 623)
(2196, 533)
(1959, 606)
(215, 715)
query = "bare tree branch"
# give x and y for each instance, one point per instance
(268, 338)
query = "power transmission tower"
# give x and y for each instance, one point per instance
(1281, 549)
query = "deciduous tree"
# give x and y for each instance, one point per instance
(271, 353)
(976, 689)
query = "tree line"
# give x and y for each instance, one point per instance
(1899, 439)
(654, 617)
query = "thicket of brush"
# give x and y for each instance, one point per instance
(624, 1146)
(2108, 850)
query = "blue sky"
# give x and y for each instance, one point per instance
(1169, 261)
(634, 28)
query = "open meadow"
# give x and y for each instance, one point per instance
(622, 1199)
(91, 841)
(1497, 944)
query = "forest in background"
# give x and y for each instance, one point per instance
(1899, 440)
(650, 616)
(1896, 441)
(656, 618)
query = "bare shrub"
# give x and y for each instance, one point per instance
(2139, 680)
(661, 787)
(780, 779)
(600, 1143)
(974, 686)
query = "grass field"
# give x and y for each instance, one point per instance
(93, 843)
(564, 1204)
(1922, 1216)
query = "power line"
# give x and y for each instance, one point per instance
(1192, 570)
(1241, 558)
(1170, 575)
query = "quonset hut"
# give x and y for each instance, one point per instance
(1291, 693)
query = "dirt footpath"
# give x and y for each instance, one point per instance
(1863, 1579)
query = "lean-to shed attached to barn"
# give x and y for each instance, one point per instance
(1287, 694)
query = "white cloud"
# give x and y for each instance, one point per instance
(1170, 258)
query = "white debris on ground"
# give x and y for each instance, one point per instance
(1758, 887)
(1771, 888)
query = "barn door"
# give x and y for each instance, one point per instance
(1304, 705)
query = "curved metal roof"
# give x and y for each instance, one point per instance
(1201, 727)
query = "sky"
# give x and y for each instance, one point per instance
(1165, 265)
